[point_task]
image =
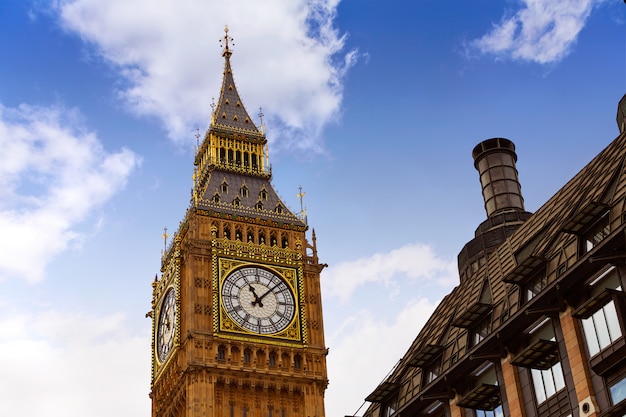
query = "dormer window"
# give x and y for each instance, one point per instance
(590, 224)
(259, 206)
(481, 330)
(535, 285)
(236, 202)
(484, 395)
(243, 191)
(477, 317)
(216, 198)
(224, 187)
(263, 194)
(279, 209)
(596, 233)
(541, 358)
(602, 321)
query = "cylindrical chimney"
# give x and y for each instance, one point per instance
(495, 161)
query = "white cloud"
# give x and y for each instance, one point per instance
(288, 59)
(416, 261)
(364, 349)
(378, 304)
(72, 364)
(542, 31)
(53, 174)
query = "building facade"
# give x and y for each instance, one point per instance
(237, 316)
(537, 324)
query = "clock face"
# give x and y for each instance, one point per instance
(258, 300)
(166, 325)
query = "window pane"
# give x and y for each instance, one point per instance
(548, 382)
(590, 336)
(602, 329)
(612, 322)
(538, 383)
(559, 380)
(618, 391)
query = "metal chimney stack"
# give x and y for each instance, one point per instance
(495, 161)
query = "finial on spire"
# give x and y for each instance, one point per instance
(301, 195)
(224, 41)
(261, 118)
(197, 135)
(165, 236)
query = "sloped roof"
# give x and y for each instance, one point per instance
(543, 236)
(231, 189)
(233, 200)
(230, 113)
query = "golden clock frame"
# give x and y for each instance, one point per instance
(222, 323)
(170, 279)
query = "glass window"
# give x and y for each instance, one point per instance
(618, 391)
(535, 286)
(496, 412)
(433, 370)
(602, 328)
(390, 407)
(481, 331)
(547, 382)
(596, 233)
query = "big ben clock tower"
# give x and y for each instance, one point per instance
(237, 326)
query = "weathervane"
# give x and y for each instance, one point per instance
(226, 39)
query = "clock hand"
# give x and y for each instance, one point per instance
(268, 291)
(257, 300)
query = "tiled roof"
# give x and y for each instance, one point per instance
(233, 200)
(542, 236)
(230, 111)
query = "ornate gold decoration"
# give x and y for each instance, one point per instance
(292, 275)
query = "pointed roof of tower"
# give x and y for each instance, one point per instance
(229, 112)
(233, 175)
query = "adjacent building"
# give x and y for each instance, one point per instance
(537, 324)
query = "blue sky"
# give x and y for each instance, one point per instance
(372, 106)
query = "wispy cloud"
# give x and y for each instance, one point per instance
(53, 175)
(541, 31)
(415, 261)
(288, 59)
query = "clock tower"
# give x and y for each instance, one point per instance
(237, 327)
